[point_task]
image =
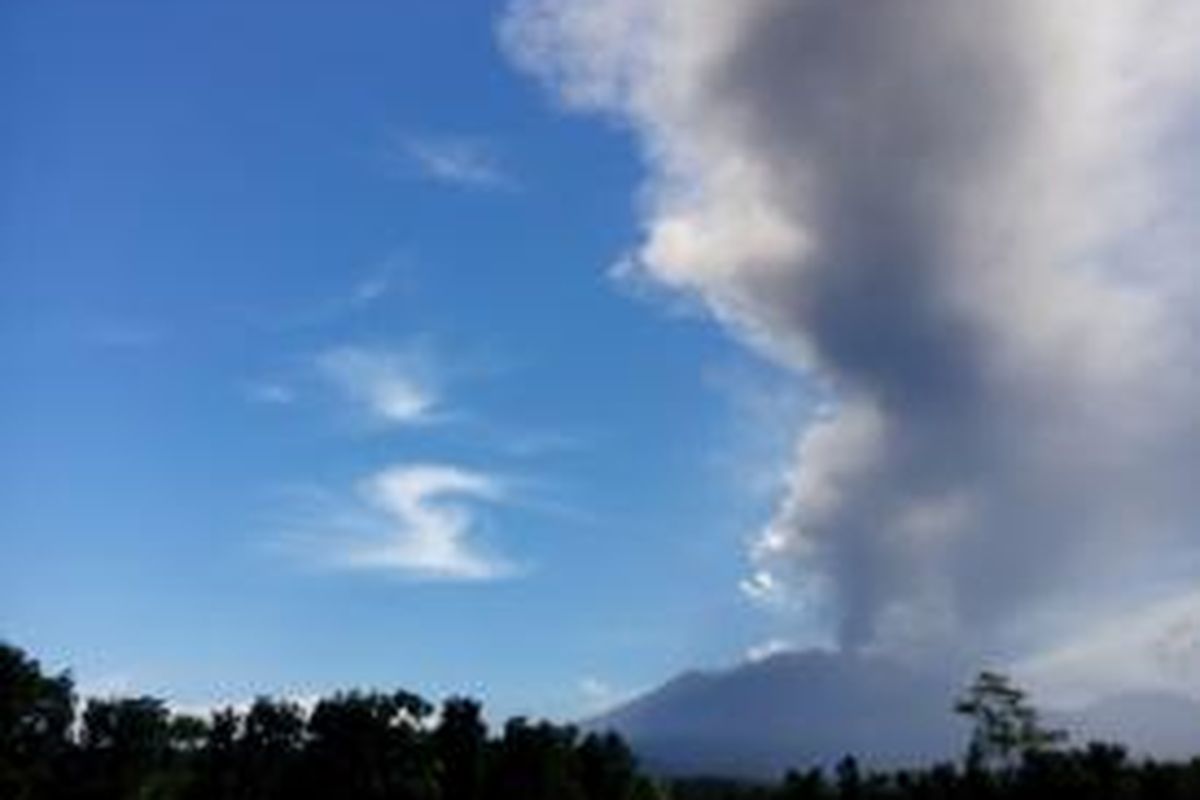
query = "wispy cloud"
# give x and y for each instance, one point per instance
(395, 387)
(370, 289)
(600, 696)
(270, 393)
(455, 160)
(517, 441)
(597, 694)
(764, 405)
(121, 334)
(420, 521)
(387, 277)
(764, 589)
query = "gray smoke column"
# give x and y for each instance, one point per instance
(974, 223)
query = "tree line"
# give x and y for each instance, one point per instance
(398, 746)
(349, 746)
(1097, 771)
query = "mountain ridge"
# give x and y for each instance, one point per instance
(799, 709)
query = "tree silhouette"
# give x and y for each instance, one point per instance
(1006, 726)
(460, 743)
(370, 746)
(125, 745)
(607, 768)
(36, 713)
(269, 750)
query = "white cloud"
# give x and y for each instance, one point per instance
(764, 589)
(420, 521)
(600, 696)
(771, 647)
(455, 160)
(395, 387)
(596, 691)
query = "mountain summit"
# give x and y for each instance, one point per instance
(800, 709)
(792, 709)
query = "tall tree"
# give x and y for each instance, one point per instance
(1006, 727)
(371, 746)
(125, 747)
(460, 743)
(607, 769)
(36, 715)
(270, 748)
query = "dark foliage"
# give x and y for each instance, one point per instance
(1095, 772)
(351, 746)
(378, 746)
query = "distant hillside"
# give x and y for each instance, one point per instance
(1161, 724)
(801, 709)
(792, 709)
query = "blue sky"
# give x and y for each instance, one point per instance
(316, 376)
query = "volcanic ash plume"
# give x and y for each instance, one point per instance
(974, 224)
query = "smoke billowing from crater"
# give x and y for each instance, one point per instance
(975, 224)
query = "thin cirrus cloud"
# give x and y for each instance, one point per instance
(386, 279)
(462, 161)
(420, 521)
(391, 386)
(122, 334)
(371, 289)
(271, 393)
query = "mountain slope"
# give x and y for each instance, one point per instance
(790, 710)
(1161, 724)
(801, 709)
